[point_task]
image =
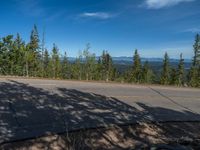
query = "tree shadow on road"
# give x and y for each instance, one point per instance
(30, 112)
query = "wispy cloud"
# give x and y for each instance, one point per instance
(30, 7)
(57, 15)
(192, 30)
(34, 8)
(97, 15)
(157, 4)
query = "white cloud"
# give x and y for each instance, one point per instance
(99, 15)
(30, 7)
(157, 4)
(34, 8)
(192, 30)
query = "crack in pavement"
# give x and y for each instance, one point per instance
(168, 98)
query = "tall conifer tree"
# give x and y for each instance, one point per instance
(46, 64)
(136, 67)
(65, 67)
(55, 61)
(165, 75)
(193, 76)
(34, 52)
(180, 71)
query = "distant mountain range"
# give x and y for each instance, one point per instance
(123, 63)
(127, 60)
(124, 58)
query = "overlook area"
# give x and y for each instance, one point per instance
(100, 75)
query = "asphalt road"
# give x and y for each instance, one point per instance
(33, 107)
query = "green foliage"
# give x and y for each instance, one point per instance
(128, 75)
(55, 63)
(173, 80)
(99, 67)
(165, 75)
(90, 64)
(194, 73)
(137, 71)
(6, 59)
(198, 77)
(77, 68)
(180, 72)
(33, 55)
(196, 46)
(65, 67)
(46, 63)
(28, 59)
(147, 74)
(107, 66)
(193, 77)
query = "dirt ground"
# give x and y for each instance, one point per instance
(180, 135)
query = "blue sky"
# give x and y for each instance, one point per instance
(119, 26)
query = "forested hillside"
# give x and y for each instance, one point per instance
(32, 59)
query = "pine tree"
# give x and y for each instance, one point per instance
(104, 65)
(147, 73)
(193, 76)
(99, 75)
(114, 74)
(89, 63)
(145, 70)
(7, 62)
(173, 80)
(11, 54)
(1, 57)
(198, 77)
(19, 55)
(196, 46)
(65, 67)
(55, 61)
(79, 65)
(29, 58)
(34, 39)
(107, 66)
(42, 54)
(92, 66)
(34, 52)
(46, 63)
(77, 69)
(165, 75)
(180, 71)
(136, 67)
(86, 63)
(128, 77)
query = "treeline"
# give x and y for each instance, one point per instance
(32, 59)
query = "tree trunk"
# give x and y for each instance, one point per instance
(107, 76)
(54, 73)
(11, 68)
(79, 75)
(87, 76)
(27, 73)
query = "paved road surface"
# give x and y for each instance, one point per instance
(32, 107)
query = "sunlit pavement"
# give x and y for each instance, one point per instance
(32, 107)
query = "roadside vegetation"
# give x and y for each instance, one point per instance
(32, 59)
